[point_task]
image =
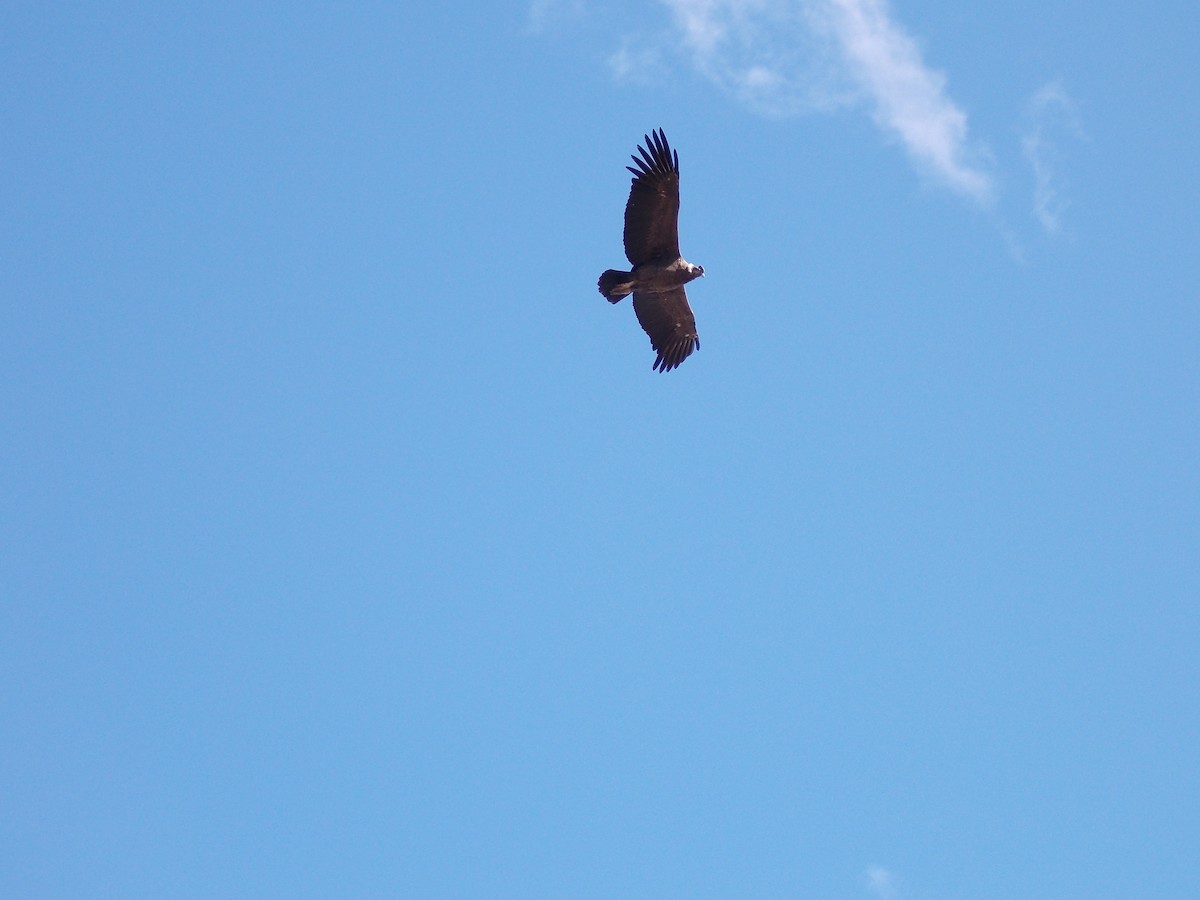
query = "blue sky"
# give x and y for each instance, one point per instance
(350, 547)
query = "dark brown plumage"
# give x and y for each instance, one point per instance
(652, 246)
(652, 211)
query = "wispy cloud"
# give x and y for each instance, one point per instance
(787, 56)
(882, 883)
(909, 99)
(1051, 114)
(546, 15)
(637, 62)
(767, 53)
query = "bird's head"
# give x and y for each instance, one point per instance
(697, 271)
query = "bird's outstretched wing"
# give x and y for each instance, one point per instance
(652, 213)
(666, 317)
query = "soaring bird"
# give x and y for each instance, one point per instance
(652, 246)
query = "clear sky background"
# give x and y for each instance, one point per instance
(350, 547)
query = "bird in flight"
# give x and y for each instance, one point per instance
(652, 246)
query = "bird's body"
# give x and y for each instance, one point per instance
(649, 277)
(652, 246)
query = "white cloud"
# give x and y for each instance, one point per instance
(787, 56)
(909, 99)
(704, 23)
(546, 15)
(882, 883)
(1051, 114)
(764, 52)
(636, 62)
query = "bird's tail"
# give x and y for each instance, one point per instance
(614, 285)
